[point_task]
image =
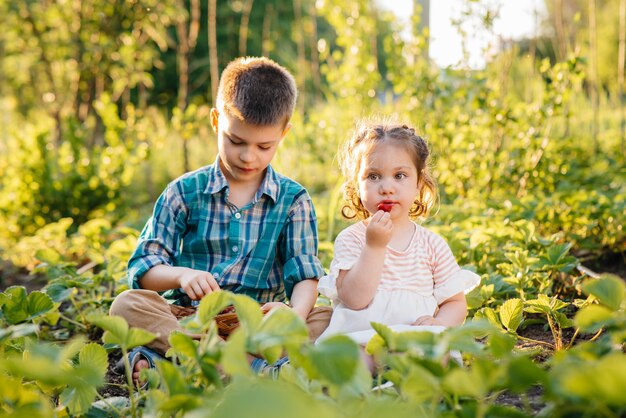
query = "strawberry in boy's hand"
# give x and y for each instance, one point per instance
(385, 206)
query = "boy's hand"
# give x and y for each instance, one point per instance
(379, 230)
(197, 284)
(428, 320)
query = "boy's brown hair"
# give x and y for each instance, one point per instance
(258, 91)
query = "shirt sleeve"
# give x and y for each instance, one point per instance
(160, 240)
(299, 244)
(347, 250)
(449, 279)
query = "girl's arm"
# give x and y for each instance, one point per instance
(452, 312)
(356, 287)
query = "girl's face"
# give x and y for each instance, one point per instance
(387, 180)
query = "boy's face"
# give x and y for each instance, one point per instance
(245, 150)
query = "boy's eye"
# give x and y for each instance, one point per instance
(265, 148)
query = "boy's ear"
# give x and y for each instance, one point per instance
(285, 130)
(215, 115)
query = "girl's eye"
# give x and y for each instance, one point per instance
(400, 176)
(265, 148)
(373, 176)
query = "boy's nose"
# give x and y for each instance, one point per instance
(246, 156)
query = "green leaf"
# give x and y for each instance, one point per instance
(137, 337)
(49, 256)
(95, 356)
(19, 307)
(234, 355)
(248, 311)
(212, 304)
(38, 303)
(463, 382)
(540, 305)
(279, 327)
(116, 327)
(593, 318)
(335, 359)
(183, 344)
(78, 399)
(599, 382)
(501, 344)
(419, 384)
(511, 314)
(522, 374)
(608, 289)
(490, 315)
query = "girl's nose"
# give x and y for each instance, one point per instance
(386, 187)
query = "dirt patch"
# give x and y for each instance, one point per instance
(115, 383)
(11, 275)
(609, 262)
(531, 401)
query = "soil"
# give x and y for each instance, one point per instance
(115, 383)
(11, 275)
(614, 263)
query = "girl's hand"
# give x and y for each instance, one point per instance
(428, 320)
(197, 284)
(379, 230)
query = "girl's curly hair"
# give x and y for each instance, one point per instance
(367, 135)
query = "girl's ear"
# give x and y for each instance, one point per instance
(215, 115)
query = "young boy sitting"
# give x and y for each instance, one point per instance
(234, 225)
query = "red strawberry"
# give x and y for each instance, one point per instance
(385, 206)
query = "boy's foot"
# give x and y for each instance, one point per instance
(139, 358)
(139, 365)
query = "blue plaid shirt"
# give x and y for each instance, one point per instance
(262, 249)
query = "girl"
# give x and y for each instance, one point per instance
(387, 268)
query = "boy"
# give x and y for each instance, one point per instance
(234, 225)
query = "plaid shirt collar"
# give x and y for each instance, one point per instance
(269, 185)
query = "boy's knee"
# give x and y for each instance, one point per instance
(318, 321)
(129, 300)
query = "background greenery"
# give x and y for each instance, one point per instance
(102, 104)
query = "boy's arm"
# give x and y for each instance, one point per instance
(303, 297)
(195, 283)
(159, 243)
(298, 248)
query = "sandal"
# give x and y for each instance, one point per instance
(260, 366)
(139, 353)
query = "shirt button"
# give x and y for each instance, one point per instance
(237, 215)
(216, 275)
(235, 248)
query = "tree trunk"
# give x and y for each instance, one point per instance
(315, 58)
(212, 17)
(243, 28)
(594, 79)
(299, 38)
(621, 61)
(266, 39)
(561, 40)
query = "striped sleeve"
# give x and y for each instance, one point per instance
(160, 239)
(300, 244)
(449, 279)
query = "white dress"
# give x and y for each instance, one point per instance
(414, 282)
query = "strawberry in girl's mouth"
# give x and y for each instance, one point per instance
(385, 205)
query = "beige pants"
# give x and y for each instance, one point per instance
(146, 309)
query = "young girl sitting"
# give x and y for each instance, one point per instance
(387, 268)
